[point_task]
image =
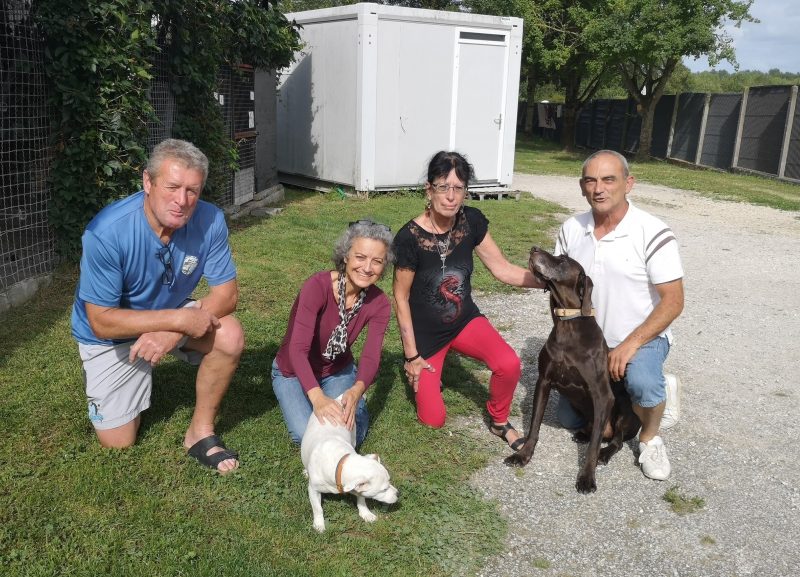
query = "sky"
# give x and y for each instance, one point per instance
(772, 43)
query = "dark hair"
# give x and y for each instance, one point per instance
(443, 162)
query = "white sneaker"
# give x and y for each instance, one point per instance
(672, 408)
(653, 457)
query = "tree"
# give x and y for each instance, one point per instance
(646, 40)
(557, 49)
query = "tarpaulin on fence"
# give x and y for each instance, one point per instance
(689, 117)
(719, 139)
(793, 156)
(662, 121)
(763, 129)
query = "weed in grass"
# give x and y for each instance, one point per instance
(540, 563)
(681, 504)
(708, 540)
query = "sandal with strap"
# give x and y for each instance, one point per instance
(502, 430)
(201, 448)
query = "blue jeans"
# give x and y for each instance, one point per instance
(297, 409)
(644, 381)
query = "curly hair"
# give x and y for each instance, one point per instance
(362, 229)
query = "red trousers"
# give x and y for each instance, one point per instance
(481, 341)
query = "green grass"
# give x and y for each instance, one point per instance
(68, 506)
(537, 156)
(682, 504)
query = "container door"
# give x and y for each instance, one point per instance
(479, 100)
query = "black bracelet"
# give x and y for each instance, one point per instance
(414, 358)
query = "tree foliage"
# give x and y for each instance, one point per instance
(98, 61)
(647, 39)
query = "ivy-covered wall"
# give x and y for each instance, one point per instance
(98, 59)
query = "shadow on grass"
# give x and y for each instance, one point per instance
(249, 396)
(23, 324)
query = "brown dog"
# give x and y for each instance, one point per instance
(575, 361)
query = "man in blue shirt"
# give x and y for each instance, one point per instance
(143, 256)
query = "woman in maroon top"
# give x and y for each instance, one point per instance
(433, 296)
(315, 364)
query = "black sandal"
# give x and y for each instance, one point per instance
(200, 450)
(502, 430)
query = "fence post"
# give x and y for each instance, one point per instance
(672, 125)
(706, 106)
(787, 132)
(740, 129)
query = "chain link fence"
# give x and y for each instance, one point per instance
(26, 241)
(27, 244)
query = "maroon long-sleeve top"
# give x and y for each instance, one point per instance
(314, 316)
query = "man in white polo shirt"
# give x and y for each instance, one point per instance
(632, 258)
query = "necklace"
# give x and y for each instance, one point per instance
(442, 246)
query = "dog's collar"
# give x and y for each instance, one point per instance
(339, 466)
(566, 314)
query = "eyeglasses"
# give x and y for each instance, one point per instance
(442, 188)
(165, 256)
(367, 222)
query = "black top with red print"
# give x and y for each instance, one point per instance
(441, 298)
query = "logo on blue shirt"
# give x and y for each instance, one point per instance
(189, 264)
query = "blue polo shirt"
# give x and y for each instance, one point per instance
(122, 264)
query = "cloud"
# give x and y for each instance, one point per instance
(774, 42)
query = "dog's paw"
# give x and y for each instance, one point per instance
(368, 516)
(586, 484)
(580, 437)
(319, 526)
(516, 460)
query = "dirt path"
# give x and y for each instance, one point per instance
(737, 351)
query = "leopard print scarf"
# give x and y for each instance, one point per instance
(337, 343)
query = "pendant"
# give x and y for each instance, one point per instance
(443, 257)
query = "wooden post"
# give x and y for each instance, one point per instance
(706, 106)
(787, 132)
(739, 129)
(672, 125)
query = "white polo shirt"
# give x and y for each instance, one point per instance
(625, 265)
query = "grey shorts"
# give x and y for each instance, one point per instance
(117, 390)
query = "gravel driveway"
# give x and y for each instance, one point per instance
(736, 352)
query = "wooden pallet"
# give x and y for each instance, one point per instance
(478, 195)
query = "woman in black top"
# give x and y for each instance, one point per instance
(433, 295)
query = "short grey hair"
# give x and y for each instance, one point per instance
(626, 171)
(363, 229)
(181, 150)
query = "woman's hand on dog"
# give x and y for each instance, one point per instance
(350, 400)
(325, 408)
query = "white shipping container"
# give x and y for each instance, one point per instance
(377, 90)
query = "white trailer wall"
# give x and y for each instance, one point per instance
(378, 89)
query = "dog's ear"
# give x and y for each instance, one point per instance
(359, 485)
(586, 297)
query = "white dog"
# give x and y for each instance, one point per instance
(333, 466)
